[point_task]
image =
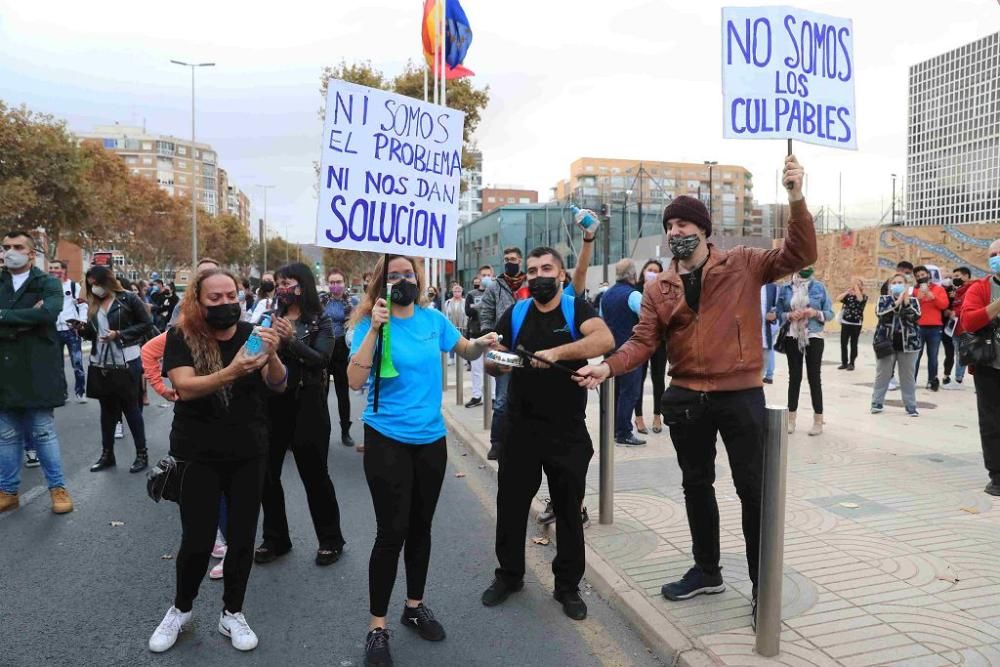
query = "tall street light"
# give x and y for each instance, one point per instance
(263, 235)
(628, 193)
(710, 163)
(892, 221)
(195, 174)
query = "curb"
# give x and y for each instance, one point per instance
(670, 645)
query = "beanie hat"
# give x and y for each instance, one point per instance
(690, 209)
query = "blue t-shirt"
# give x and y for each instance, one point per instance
(409, 406)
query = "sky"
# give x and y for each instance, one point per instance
(567, 78)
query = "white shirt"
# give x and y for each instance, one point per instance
(71, 310)
(19, 279)
(260, 308)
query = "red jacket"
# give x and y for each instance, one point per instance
(932, 306)
(974, 316)
(959, 298)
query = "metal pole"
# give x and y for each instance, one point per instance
(194, 185)
(444, 371)
(607, 447)
(772, 532)
(607, 243)
(892, 220)
(459, 382)
(487, 401)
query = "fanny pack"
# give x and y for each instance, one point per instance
(681, 406)
(164, 480)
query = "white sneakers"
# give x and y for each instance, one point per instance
(236, 628)
(218, 571)
(166, 632)
(119, 431)
(219, 550)
(233, 626)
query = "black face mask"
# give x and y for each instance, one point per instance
(512, 269)
(683, 247)
(958, 282)
(921, 281)
(404, 293)
(287, 297)
(223, 316)
(267, 286)
(542, 289)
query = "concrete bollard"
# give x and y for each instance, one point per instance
(607, 452)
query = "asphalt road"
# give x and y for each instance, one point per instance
(77, 590)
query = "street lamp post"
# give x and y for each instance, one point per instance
(892, 221)
(195, 175)
(710, 163)
(263, 239)
(628, 193)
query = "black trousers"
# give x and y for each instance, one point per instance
(564, 455)
(987, 381)
(113, 407)
(738, 416)
(658, 369)
(849, 336)
(813, 358)
(204, 484)
(405, 483)
(338, 369)
(299, 421)
(948, 343)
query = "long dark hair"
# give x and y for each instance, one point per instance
(300, 273)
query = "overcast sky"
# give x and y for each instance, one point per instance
(568, 78)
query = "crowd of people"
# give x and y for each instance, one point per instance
(248, 372)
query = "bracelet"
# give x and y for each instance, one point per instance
(280, 382)
(591, 239)
(355, 362)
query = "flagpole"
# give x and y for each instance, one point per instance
(444, 102)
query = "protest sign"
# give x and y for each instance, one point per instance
(788, 74)
(389, 173)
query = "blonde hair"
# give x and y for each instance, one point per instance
(195, 331)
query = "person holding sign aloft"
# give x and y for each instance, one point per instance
(707, 307)
(405, 451)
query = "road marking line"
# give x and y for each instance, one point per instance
(26, 498)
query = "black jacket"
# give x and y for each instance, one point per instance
(307, 355)
(127, 315)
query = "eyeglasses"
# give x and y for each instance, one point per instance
(396, 277)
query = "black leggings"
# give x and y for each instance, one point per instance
(113, 407)
(338, 369)
(203, 484)
(849, 334)
(814, 361)
(948, 343)
(405, 482)
(658, 367)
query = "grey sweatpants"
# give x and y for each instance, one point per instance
(907, 362)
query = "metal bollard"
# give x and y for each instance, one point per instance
(607, 448)
(487, 401)
(772, 532)
(459, 383)
(444, 371)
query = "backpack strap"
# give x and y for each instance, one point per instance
(569, 313)
(520, 312)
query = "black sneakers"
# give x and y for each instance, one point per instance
(422, 620)
(475, 402)
(993, 488)
(377, 649)
(548, 515)
(630, 441)
(694, 582)
(572, 604)
(499, 591)
(494, 452)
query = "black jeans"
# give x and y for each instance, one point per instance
(299, 421)
(658, 368)
(738, 416)
(849, 334)
(948, 343)
(564, 456)
(112, 408)
(405, 482)
(338, 369)
(814, 361)
(203, 485)
(987, 381)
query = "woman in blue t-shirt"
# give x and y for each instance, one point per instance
(405, 451)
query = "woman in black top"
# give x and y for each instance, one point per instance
(657, 366)
(851, 317)
(118, 324)
(220, 433)
(299, 418)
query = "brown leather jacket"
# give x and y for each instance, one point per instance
(719, 348)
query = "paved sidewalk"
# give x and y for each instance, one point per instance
(892, 550)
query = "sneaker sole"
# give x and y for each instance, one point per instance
(167, 648)
(416, 629)
(705, 590)
(226, 633)
(499, 602)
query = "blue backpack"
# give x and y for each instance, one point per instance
(568, 305)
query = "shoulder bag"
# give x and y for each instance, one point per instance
(106, 381)
(977, 348)
(164, 480)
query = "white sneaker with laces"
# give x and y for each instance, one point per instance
(893, 385)
(219, 551)
(236, 628)
(166, 632)
(119, 431)
(81, 398)
(218, 571)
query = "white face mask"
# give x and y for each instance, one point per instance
(98, 291)
(651, 275)
(15, 259)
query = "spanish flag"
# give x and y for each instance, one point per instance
(458, 36)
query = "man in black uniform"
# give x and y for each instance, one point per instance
(547, 428)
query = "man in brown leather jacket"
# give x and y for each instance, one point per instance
(707, 307)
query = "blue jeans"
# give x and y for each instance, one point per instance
(627, 390)
(769, 363)
(37, 426)
(932, 343)
(71, 339)
(498, 426)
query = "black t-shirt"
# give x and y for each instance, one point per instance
(692, 288)
(548, 397)
(213, 428)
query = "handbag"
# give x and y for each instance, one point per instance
(977, 348)
(164, 480)
(104, 381)
(680, 406)
(781, 341)
(883, 347)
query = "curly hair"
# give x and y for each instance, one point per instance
(195, 331)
